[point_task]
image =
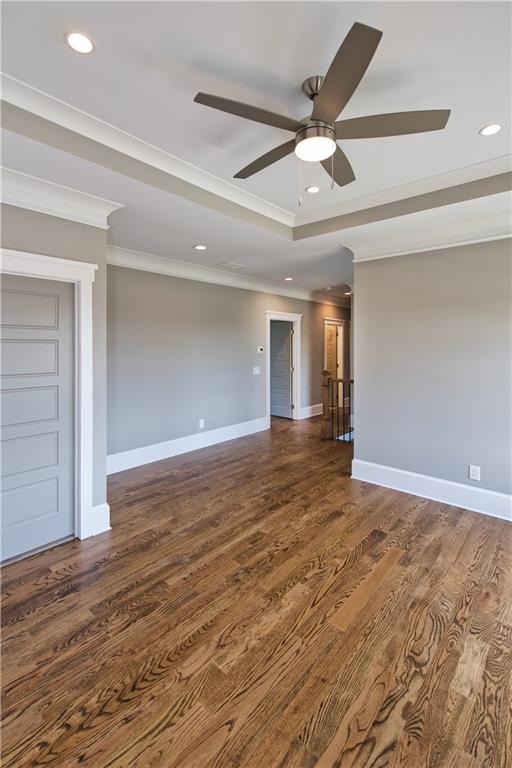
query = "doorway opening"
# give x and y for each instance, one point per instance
(281, 369)
(337, 348)
(283, 364)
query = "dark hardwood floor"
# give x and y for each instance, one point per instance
(254, 607)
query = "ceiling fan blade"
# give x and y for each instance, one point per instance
(342, 172)
(392, 124)
(248, 111)
(346, 71)
(267, 159)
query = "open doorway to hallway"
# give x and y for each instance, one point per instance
(283, 364)
(337, 348)
(281, 368)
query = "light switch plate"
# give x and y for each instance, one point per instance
(201, 423)
(256, 370)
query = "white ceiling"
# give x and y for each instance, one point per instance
(151, 59)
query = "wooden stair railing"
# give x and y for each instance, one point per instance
(336, 421)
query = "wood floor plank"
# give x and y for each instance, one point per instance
(254, 607)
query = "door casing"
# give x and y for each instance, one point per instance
(296, 320)
(81, 274)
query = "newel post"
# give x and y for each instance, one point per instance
(325, 429)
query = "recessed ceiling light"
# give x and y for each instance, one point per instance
(313, 189)
(79, 42)
(490, 130)
(328, 288)
(348, 293)
(200, 247)
(288, 279)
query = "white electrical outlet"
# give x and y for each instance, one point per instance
(201, 423)
(474, 472)
(256, 370)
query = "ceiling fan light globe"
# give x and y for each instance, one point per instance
(315, 148)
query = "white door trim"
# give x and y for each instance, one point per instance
(296, 321)
(82, 275)
(333, 321)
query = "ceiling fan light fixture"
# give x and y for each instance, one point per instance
(315, 148)
(315, 142)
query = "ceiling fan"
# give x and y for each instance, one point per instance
(316, 136)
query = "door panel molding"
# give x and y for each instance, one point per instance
(82, 275)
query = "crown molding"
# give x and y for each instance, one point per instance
(146, 262)
(38, 115)
(441, 247)
(24, 191)
(459, 224)
(37, 102)
(469, 173)
(440, 199)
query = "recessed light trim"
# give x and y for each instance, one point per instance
(348, 293)
(313, 189)
(288, 279)
(79, 42)
(490, 130)
(200, 247)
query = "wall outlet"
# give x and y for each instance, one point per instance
(474, 472)
(256, 370)
(201, 423)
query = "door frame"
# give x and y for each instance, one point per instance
(296, 321)
(82, 275)
(334, 321)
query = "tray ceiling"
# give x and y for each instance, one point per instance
(151, 59)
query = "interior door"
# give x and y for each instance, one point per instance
(331, 349)
(37, 413)
(281, 368)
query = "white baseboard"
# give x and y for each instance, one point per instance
(310, 410)
(457, 494)
(98, 521)
(118, 462)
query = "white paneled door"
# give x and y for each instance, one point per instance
(281, 368)
(37, 415)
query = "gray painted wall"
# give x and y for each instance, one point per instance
(24, 230)
(180, 350)
(433, 363)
